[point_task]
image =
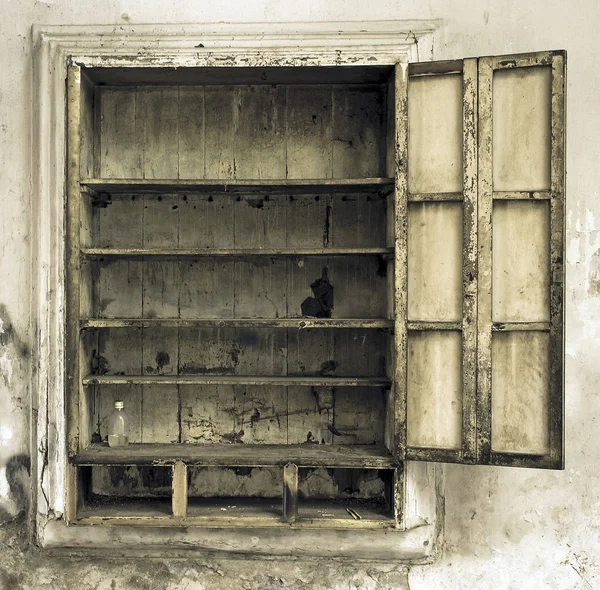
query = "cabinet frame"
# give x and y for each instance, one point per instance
(385, 43)
(83, 155)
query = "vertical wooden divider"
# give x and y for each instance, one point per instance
(469, 262)
(401, 281)
(180, 495)
(290, 493)
(484, 231)
(557, 246)
(72, 304)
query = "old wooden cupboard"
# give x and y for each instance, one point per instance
(295, 266)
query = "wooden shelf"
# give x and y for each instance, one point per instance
(233, 513)
(267, 512)
(238, 455)
(282, 186)
(235, 380)
(230, 253)
(125, 508)
(300, 323)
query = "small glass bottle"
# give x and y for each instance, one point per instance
(118, 427)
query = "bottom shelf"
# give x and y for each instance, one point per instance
(234, 497)
(271, 508)
(110, 507)
(233, 513)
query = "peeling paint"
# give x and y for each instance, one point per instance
(6, 369)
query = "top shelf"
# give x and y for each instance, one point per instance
(283, 186)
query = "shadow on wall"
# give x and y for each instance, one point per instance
(13, 352)
(18, 469)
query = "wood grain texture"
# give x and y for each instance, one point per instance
(121, 139)
(208, 414)
(522, 99)
(191, 121)
(541, 167)
(180, 488)
(521, 261)
(351, 456)
(118, 186)
(157, 115)
(309, 132)
(236, 380)
(434, 406)
(435, 261)
(73, 276)
(194, 381)
(358, 132)
(520, 392)
(435, 120)
(260, 135)
(298, 323)
(254, 132)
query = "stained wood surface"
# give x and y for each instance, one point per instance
(238, 455)
(301, 323)
(434, 399)
(109, 508)
(234, 252)
(180, 488)
(521, 419)
(205, 222)
(521, 261)
(520, 392)
(521, 104)
(243, 132)
(435, 261)
(236, 513)
(225, 288)
(310, 75)
(435, 121)
(225, 211)
(235, 380)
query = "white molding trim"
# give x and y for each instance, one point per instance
(242, 44)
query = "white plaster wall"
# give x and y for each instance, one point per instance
(504, 528)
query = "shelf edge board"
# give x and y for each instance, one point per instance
(312, 381)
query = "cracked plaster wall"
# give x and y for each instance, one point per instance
(504, 528)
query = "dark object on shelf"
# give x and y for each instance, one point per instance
(321, 304)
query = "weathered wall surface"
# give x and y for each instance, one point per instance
(503, 528)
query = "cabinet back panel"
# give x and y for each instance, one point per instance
(243, 221)
(244, 132)
(206, 414)
(240, 351)
(226, 288)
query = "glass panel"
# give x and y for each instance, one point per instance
(521, 129)
(435, 117)
(521, 262)
(520, 392)
(435, 236)
(434, 405)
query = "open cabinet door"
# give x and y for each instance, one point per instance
(479, 274)
(521, 179)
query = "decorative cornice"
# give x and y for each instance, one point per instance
(239, 44)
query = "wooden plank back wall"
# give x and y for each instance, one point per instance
(270, 287)
(243, 132)
(244, 414)
(213, 414)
